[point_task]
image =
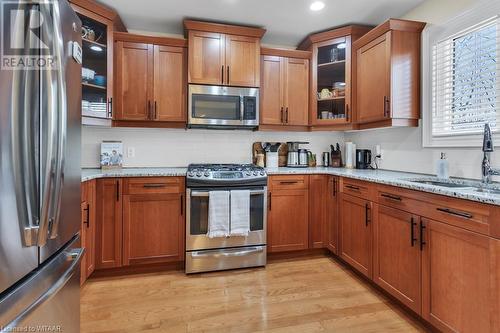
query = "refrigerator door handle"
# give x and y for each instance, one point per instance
(24, 149)
(60, 109)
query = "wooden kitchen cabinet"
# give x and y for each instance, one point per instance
(150, 75)
(153, 220)
(288, 214)
(221, 54)
(109, 229)
(134, 69)
(284, 94)
(331, 67)
(397, 255)
(319, 200)
(460, 279)
(88, 226)
(356, 233)
(387, 75)
(333, 214)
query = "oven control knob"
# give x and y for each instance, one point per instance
(199, 174)
(190, 174)
(262, 173)
(248, 173)
(255, 173)
(206, 174)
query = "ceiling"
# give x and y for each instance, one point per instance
(287, 21)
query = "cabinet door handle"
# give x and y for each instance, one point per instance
(387, 107)
(270, 200)
(182, 204)
(290, 182)
(286, 115)
(222, 74)
(282, 119)
(156, 116)
(367, 208)
(227, 75)
(455, 212)
(110, 107)
(352, 187)
(334, 187)
(422, 242)
(151, 185)
(392, 197)
(117, 190)
(149, 109)
(87, 213)
(412, 232)
(346, 112)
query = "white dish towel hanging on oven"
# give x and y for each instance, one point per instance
(240, 213)
(218, 214)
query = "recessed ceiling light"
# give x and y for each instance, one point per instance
(96, 48)
(317, 5)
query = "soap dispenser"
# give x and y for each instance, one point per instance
(442, 167)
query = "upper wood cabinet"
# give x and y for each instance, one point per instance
(330, 80)
(150, 81)
(284, 93)
(97, 55)
(288, 214)
(222, 54)
(386, 75)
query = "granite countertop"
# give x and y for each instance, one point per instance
(394, 178)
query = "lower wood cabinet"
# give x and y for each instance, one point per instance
(397, 255)
(288, 214)
(139, 221)
(460, 279)
(319, 201)
(333, 214)
(109, 230)
(356, 233)
(87, 230)
(153, 228)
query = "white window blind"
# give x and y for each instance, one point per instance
(465, 79)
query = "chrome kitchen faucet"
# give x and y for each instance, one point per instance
(487, 170)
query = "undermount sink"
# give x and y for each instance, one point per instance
(441, 183)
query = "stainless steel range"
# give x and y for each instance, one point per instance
(204, 253)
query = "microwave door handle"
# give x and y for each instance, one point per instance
(242, 107)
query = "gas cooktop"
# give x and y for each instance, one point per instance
(224, 174)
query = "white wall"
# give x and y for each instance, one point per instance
(403, 147)
(179, 147)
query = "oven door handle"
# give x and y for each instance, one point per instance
(207, 193)
(226, 253)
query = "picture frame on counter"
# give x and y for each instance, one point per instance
(111, 155)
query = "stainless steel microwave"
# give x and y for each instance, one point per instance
(223, 107)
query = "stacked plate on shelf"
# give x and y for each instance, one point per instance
(94, 109)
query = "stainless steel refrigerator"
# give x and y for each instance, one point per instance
(40, 168)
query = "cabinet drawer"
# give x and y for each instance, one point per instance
(357, 188)
(289, 182)
(153, 185)
(466, 214)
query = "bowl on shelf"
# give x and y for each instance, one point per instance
(100, 80)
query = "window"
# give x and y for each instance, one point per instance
(462, 83)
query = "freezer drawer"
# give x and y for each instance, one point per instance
(49, 299)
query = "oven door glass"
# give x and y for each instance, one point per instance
(221, 107)
(199, 213)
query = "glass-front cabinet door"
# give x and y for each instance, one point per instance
(331, 82)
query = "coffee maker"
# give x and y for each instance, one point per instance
(297, 157)
(363, 158)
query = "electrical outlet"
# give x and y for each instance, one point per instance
(131, 152)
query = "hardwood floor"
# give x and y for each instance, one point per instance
(306, 295)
